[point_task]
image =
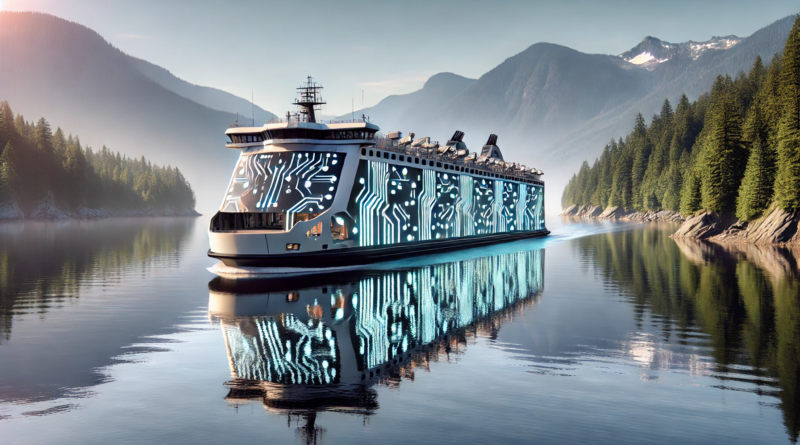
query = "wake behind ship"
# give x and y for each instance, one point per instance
(306, 194)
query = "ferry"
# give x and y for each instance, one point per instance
(310, 194)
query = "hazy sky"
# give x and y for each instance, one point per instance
(382, 47)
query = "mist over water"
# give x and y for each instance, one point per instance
(114, 332)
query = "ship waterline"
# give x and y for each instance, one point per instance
(308, 194)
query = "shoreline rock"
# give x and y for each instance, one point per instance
(618, 213)
(775, 227)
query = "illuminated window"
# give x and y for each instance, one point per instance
(316, 230)
(292, 247)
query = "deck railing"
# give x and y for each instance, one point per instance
(432, 153)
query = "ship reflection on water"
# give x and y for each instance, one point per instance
(310, 344)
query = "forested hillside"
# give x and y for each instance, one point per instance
(735, 151)
(37, 164)
(71, 75)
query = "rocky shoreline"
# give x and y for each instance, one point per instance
(46, 210)
(776, 227)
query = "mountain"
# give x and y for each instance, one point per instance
(206, 96)
(679, 75)
(553, 106)
(415, 109)
(651, 51)
(531, 99)
(69, 73)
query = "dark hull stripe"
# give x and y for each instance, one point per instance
(374, 254)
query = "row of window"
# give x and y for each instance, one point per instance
(438, 164)
(302, 133)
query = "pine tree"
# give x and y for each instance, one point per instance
(622, 185)
(641, 154)
(787, 183)
(44, 136)
(691, 194)
(9, 172)
(755, 192)
(723, 157)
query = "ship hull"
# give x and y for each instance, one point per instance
(356, 256)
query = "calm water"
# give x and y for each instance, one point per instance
(114, 332)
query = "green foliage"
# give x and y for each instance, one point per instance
(787, 184)
(723, 156)
(9, 171)
(37, 161)
(702, 156)
(690, 194)
(755, 193)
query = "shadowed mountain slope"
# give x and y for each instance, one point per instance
(70, 74)
(206, 96)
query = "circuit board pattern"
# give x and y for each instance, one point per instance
(285, 350)
(393, 313)
(399, 311)
(533, 216)
(284, 182)
(395, 204)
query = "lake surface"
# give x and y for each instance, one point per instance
(115, 332)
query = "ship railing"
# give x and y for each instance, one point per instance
(300, 120)
(432, 154)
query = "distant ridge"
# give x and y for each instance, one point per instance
(62, 70)
(209, 97)
(553, 106)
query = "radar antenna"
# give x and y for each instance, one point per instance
(310, 99)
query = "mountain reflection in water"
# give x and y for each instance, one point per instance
(320, 343)
(741, 301)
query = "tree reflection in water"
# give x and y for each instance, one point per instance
(42, 264)
(745, 297)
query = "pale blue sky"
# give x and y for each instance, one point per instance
(379, 46)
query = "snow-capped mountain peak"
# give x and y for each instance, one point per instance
(652, 51)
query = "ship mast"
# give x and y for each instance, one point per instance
(310, 99)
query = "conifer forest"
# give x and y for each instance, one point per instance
(36, 162)
(734, 151)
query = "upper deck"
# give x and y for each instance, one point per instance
(283, 131)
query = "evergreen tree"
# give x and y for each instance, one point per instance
(622, 185)
(9, 172)
(690, 194)
(755, 192)
(787, 183)
(723, 158)
(641, 148)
